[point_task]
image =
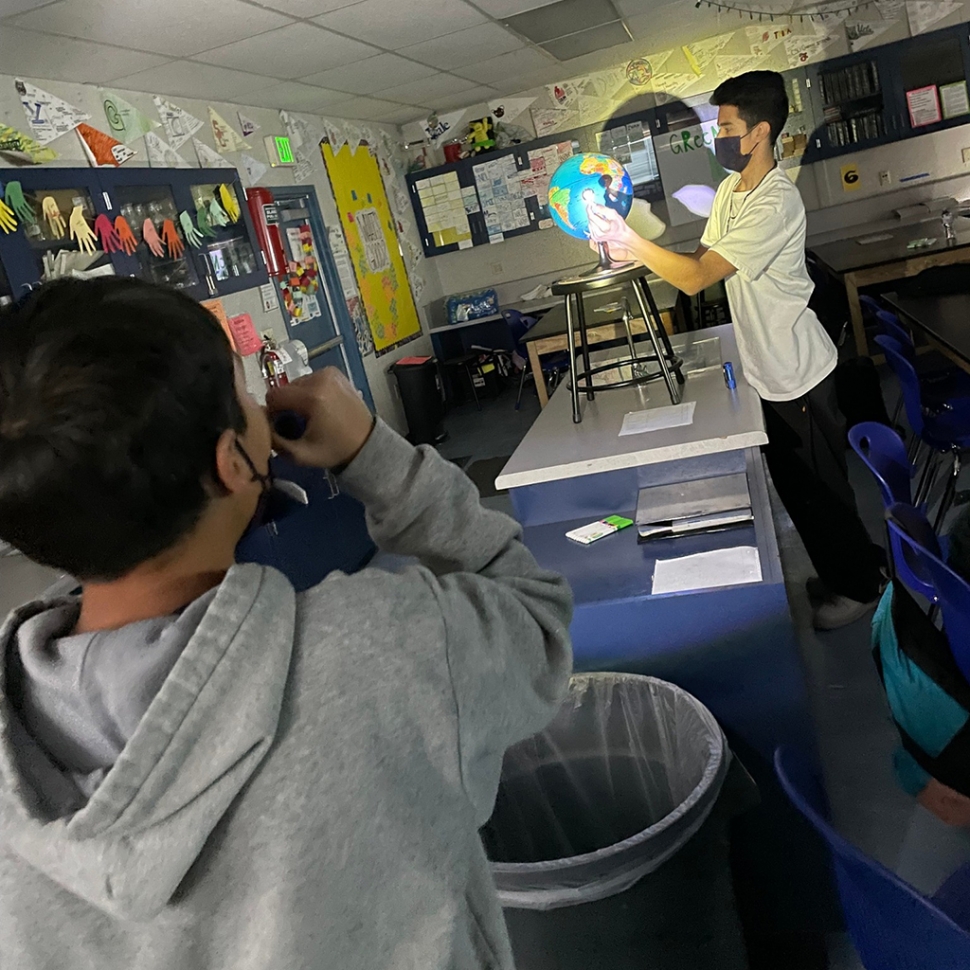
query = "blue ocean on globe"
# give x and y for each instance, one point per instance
(581, 179)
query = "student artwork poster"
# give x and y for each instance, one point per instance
(376, 256)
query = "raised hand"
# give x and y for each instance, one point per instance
(55, 221)
(192, 235)
(172, 240)
(80, 230)
(150, 234)
(110, 242)
(126, 237)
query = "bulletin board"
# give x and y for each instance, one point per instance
(369, 228)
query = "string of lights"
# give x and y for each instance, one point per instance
(806, 13)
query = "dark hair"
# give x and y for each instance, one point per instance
(113, 395)
(758, 96)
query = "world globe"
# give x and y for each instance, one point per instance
(581, 179)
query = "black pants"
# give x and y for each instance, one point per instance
(806, 458)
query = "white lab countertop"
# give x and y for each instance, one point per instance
(724, 420)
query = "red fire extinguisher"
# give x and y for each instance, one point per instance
(266, 219)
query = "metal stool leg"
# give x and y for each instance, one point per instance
(661, 329)
(674, 389)
(574, 377)
(629, 333)
(518, 399)
(947, 500)
(581, 320)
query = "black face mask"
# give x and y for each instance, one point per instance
(727, 150)
(278, 499)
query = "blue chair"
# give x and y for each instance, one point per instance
(552, 365)
(912, 542)
(953, 595)
(891, 925)
(944, 431)
(884, 454)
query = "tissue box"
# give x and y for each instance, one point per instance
(471, 306)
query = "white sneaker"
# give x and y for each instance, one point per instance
(838, 611)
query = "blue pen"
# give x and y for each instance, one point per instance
(729, 375)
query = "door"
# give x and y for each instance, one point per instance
(311, 299)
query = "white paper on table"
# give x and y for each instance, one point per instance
(706, 570)
(656, 419)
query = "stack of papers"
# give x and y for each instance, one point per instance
(685, 508)
(708, 570)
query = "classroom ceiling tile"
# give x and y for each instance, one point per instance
(508, 8)
(429, 90)
(456, 49)
(467, 99)
(402, 116)
(587, 41)
(189, 79)
(370, 109)
(34, 55)
(290, 52)
(506, 67)
(294, 97)
(307, 8)
(371, 74)
(11, 7)
(176, 27)
(395, 25)
(521, 83)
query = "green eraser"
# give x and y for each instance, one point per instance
(618, 521)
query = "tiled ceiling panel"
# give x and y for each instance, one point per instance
(179, 28)
(187, 79)
(506, 66)
(463, 46)
(371, 74)
(395, 25)
(427, 91)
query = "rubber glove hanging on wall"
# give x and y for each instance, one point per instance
(171, 239)
(110, 242)
(52, 214)
(192, 235)
(81, 232)
(125, 236)
(14, 197)
(150, 234)
(8, 221)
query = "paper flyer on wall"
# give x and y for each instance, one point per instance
(23, 148)
(246, 124)
(253, 168)
(765, 37)
(439, 128)
(864, 33)
(226, 137)
(100, 148)
(348, 283)
(179, 124)
(547, 121)
(806, 50)
(701, 54)
(335, 135)
(507, 110)
(208, 157)
(48, 116)
(925, 14)
(161, 154)
(125, 121)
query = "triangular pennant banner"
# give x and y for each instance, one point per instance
(161, 154)
(353, 139)
(246, 125)
(253, 168)
(507, 110)
(863, 33)
(209, 158)
(923, 15)
(125, 121)
(48, 116)
(101, 148)
(23, 148)
(180, 126)
(335, 135)
(227, 138)
(438, 126)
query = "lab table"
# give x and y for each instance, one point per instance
(943, 320)
(859, 262)
(733, 647)
(455, 339)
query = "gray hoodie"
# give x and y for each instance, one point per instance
(295, 781)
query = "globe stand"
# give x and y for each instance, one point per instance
(669, 366)
(605, 264)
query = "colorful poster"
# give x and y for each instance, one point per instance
(345, 271)
(125, 121)
(101, 149)
(208, 157)
(246, 124)
(23, 148)
(179, 124)
(924, 106)
(226, 137)
(48, 116)
(355, 180)
(161, 154)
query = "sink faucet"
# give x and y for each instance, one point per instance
(947, 217)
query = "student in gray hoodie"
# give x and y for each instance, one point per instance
(200, 768)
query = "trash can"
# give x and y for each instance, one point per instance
(609, 842)
(421, 397)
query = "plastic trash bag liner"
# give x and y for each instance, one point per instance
(624, 776)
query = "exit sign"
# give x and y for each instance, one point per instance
(279, 150)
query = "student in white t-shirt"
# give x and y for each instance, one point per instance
(755, 242)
